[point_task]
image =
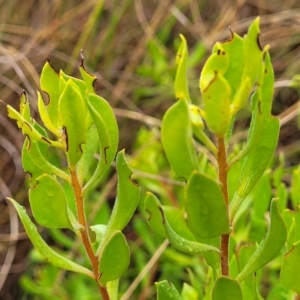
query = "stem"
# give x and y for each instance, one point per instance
(84, 231)
(222, 163)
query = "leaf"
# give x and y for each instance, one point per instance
(88, 78)
(29, 166)
(108, 134)
(154, 219)
(25, 108)
(252, 52)
(181, 85)
(114, 258)
(176, 136)
(295, 191)
(87, 158)
(173, 214)
(40, 245)
(216, 97)
(289, 275)
(157, 212)
(234, 49)
(113, 289)
(188, 292)
(43, 163)
(205, 207)
(48, 203)
(166, 291)
(249, 285)
(269, 246)
(46, 118)
(226, 288)
(256, 162)
(292, 221)
(128, 194)
(72, 112)
(49, 82)
(29, 130)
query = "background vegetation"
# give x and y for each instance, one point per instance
(130, 45)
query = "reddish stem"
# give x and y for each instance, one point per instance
(85, 231)
(222, 163)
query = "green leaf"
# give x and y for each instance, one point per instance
(128, 194)
(252, 52)
(256, 162)
(249, 285)
(166, 291)
(295, 191)
(158, 216)
(29, 166)
(269, 246)
(181, 85)
(226, 288)
(216, 97)
(29, 130)
(49, 82)
(113, 289)
(290, 275)
(292, 221)
(154, 219)
(40, 245)
(43, 163)
(234, 49)
(108, 134)
(188, 292)
(114, 258)
(48, 203)
(173, 214)
(25, 108)
(176, 136)
(88, 78)
(72, 112)
(205, 207)
(46, 118)
(89, 149)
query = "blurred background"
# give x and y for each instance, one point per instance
(130, 45)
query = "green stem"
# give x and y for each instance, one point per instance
(84, 232)
(222, 163)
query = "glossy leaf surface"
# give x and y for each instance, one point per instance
(166, 291)
(40, 245)
(176, 136)
(72, 112)
(205, 207)
(269, 246)
(226, 288)
(48, 203)
(114, 258)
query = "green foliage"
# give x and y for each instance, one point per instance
(83, 124)
(221, 194)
